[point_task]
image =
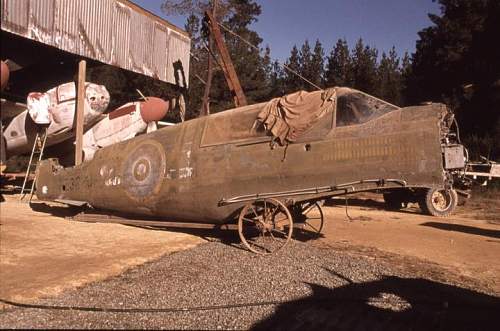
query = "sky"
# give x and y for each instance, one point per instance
(381, 23)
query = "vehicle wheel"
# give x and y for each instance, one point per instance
(440, 203)
(265, 226)
(309, 216)
(394, 200)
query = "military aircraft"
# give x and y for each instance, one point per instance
(55, 110)
(124, 123)
(266, 166)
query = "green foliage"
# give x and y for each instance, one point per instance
(364, 68)
(317, 67)
(291, 81)
(253, 69)
(277, 80)
(262, 79)
(390, 77)
(457, 62)
(339, 66)
(311, 66)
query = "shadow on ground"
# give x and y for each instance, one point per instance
(358, 202)
(225, 233)
(464, 229)
(391, 303)
(59, 211)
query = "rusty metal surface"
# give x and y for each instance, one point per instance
(171, 173)
(454, 157)
(115, 32)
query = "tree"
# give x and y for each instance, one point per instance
(317, 68)
(389, 77)
(292, 82)
(237, 15)
(406, 73)
(305, 64)
(249, 64)
(339, 66)
(364, 66)
(277, 80)
(456, 63)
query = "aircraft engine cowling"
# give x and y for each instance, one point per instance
(153, 109)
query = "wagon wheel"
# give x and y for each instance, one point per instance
(265, 226)
(310, 215)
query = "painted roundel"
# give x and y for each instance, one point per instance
(144, 169)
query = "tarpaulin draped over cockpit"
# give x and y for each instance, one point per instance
(288, 117)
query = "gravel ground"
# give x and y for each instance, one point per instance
(302, 287)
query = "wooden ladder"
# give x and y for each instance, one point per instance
(36, 157)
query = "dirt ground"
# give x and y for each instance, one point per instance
(467, 244)
(42, 254)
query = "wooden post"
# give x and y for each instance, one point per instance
(80, 106)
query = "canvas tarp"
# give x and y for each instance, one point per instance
(288, 117)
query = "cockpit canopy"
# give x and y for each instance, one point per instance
(242, 124)
(356, 107)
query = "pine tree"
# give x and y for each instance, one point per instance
(456, 62)
(317, 68)
(364, 64)
(405, 74)
(292, 82)
(305, 64)
(250, 66)
(389, 78)
(277, 80)
(339, 66)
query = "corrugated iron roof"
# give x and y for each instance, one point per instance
(115, 32)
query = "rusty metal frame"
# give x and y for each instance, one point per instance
(312, 190)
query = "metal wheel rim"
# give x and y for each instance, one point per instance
(440, 200)
(309, 222)
(271, 226)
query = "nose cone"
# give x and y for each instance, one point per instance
(97, 97)
(4, 73)
(153, 109)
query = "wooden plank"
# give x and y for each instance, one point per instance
(106, 218)
(80, 105)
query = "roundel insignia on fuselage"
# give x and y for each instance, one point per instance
(144, 169)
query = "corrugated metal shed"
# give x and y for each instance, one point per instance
(115, 32)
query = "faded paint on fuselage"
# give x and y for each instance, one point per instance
(20, 133)
(171, 173)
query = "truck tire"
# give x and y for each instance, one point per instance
(439, 202)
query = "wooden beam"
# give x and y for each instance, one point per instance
(227, 65)
(80, 106)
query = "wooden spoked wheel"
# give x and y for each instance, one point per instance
(265, 226)
(310, 216)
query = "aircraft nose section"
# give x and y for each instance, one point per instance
(98, 97)
(153, 109)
